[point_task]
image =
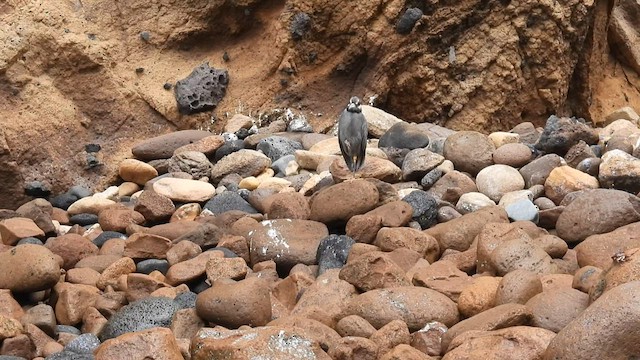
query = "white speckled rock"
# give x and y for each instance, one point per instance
(497, 180)
(473, 201)
(184, 190)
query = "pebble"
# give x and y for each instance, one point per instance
(518, 287)
(163, 146)
(500, 138)
(596, 212)
(497, 180)
(14, 229)
(523, 210)
(243, 162)
(228, 201)
(71, 248)
(514, 154)
(276, 147)
(564, 180)
(404, 135)
(373, 270)
(140, 315)
(184, 190)
(91, 205)
(151, 343)
(136, 171)
(419, 162)
(560, 134)
(514, 342)
(424, 207)
(473, 201)
(620, 170)
(378, 120)
(332, 252)
(555, 308)
(342, 201)
(469, 151)
(193, 163)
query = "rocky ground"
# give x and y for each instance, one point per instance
(260, 244)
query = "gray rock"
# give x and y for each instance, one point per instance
(280, 165)
(537, 171)
(227, 201)
(408, 20)
(227, 148)
(67, 329)
(560, 134)
(403, 135)
(333, 252)
(425, 208)
(276, 147)
(30, 240)
(79, 191)
(107, 235)
(63, 201)
(244, 163)
(430, 178)
(83, 344)
(523, 210)
(193, 163)
(299, 124)
(202, 90)
(419, 162)
(140, 315)
(300, 24)
(149, 265)
(620, 170)
(186, 299)
(69, 355)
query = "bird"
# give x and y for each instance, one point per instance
(352, 135)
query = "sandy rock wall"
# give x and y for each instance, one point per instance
(89, 72)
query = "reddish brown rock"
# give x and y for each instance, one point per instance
(625, 268)
(154, 207)
(9, 327)
(14, 229)
(586, 277)
(146, 246)
(507, 257)
(38, 338)
(406, 303)
(373, 270)
(393, 214)
(607, 329)
(444, 277)
(190, 269)
(72, 302)
(112, 273)
(289, 290)
(554, 309)
(184, 250)
(246, 302)
(172, 230)
(373, 168)
(596, 212)
(499, 317)
(186, 323)
(458, 234)
(452, 185)
(405, 352)
(112, 247)
(516, 342)
(363, 228)
(479, 296)
(597, 250)
(154, 343)
(272, 342)
(238, 244)
(28, 268)
(488, 239)
(353, 347)
(287, 242)
(389, 239)
(287, 206)
(20, 345)
(354, 325)
(564, 180)
(429, 339)
(391, 335)
(72, 248)
(342, 201)
(207, 145)
(140, 286)
(328, 294)
(470, 151)
(315, 330)
(518, 287)
(226, 268)
(98, 262)
(85, 276)
(9, 306)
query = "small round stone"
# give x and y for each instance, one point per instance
(515, 155)
(497, 180)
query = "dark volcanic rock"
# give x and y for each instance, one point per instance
(37, 189)
(276, 147)
(106, 235)
(403, 135)
(425, 208)
(228, 148)
(140, 315)
(300, 24)
(408, 20)
(149, 265)
(228, 200)
(333, 252)
(560, 134)
(202, 90)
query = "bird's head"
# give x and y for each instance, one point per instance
(354, 104)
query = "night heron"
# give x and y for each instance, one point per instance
(352, 135)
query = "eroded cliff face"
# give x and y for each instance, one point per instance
(74, 73)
